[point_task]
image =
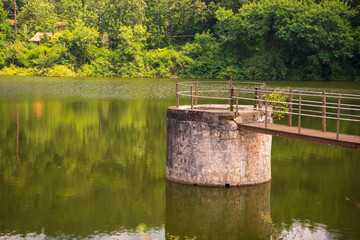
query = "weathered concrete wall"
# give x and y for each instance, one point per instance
(205, 147)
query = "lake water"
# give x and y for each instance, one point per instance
(85, 159)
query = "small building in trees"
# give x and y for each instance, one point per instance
(61, 25)
(39, 36)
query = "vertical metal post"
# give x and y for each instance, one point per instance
(196, 92)
(290, 106)
(231, 99)
(192, 97)
(230, 86)
(256, 97)
(299, 116)
(338, 119)
(266, 106)
(237, 100)
(177, 94)
(324, 111)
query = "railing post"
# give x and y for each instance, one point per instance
(177, 94)
(230, 86)
(338, 119)
(324, 111)
(256, 97)
(266, 106)
(299, 116)
(231, 99)
(237, 100)
(196, 92)
(290, 106)
(192, 97)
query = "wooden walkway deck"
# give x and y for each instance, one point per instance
(310, 135)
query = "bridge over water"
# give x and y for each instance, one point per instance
(220, 134)
(322, 107)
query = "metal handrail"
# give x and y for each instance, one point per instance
(298, 102)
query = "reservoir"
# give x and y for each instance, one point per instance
(85, 158)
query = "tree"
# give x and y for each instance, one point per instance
(40, 14)
(131, 48)
(94, 11)
(15, 21)
(312, 40)
(78, 42)
(4, 33)
(67, 10)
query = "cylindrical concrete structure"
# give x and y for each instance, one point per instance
(205, 147)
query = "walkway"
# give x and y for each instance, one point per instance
(310, 135)
(295, 104)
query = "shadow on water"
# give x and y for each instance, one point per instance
(217, 213)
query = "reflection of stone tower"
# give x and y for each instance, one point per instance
(217, 213)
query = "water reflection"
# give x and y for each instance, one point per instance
(217, 213)
(85, 158)
(81, 168)
(308, 230)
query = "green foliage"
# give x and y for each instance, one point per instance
(166, 63)
(175, 237)
(264, 66)
(55, 71)
(275, 231)
(83, 38)
(100, 67)
(206, 52)
(13, 70)
(2, 59)
(132, 42)
(320, 35)
(78, 44)
(278, 100)
(4, 26)
(59, 71)
(45, 57)
(261, 40)
(40, 13)
(288, 35)
(17, 54)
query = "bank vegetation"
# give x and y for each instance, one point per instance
(247, 39)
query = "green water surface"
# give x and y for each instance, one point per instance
(85, 159)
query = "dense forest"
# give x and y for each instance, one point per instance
(246, 39)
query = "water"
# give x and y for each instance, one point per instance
(85, 158)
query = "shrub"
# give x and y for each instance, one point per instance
(17, 54)
(60, 71)
(165, 63)
(280, 97)
(100, 67)
(14, 70)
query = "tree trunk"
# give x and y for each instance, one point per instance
(99, 24)
(15, 22)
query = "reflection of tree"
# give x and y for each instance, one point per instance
(17, 132)
(217, 213)
(316, 178)
(74, 174)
